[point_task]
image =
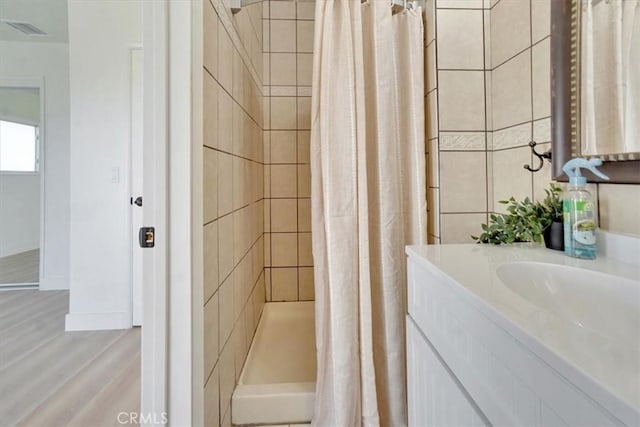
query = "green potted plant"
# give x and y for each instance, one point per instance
(554, 230)
(527, 221)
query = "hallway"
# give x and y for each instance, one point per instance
(54, 378)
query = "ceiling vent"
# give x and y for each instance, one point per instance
(24, 27)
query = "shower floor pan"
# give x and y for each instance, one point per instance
(277, 384)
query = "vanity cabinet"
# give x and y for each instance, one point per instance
(436, 398)
(464, 368)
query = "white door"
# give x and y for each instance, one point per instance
(137, 180)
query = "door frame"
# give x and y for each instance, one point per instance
(154, 340)
(186, 354)
(172, 383)
(34, 83)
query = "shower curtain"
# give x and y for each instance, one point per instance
(610, 89)
(368, 202)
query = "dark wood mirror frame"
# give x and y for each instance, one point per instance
(564, 104)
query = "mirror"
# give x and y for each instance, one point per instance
(609, 77)
(595, 85)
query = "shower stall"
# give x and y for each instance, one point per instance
(278, 381)
(260, 111)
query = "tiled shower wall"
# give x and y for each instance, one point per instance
(492, 59)
(233, 198)
(431, 123)
(458, 123)
(520, 71)
(619, 208)
(288, 59)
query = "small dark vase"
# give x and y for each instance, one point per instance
(554, 236)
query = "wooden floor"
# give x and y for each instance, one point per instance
(20, 268)
(49, 377)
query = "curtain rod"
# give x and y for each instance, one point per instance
(396, 5)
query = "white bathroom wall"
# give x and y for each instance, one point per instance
(19, 213)
(50, 62)
(101, 34)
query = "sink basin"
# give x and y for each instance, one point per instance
(595, 302)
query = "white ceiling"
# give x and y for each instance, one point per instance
(48, 15)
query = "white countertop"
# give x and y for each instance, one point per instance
(609, 369)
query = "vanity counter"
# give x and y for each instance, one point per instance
(605, 367)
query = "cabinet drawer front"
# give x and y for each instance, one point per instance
(435, 397)
(508, 382)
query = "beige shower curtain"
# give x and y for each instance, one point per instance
(610, 88)
(368, 202)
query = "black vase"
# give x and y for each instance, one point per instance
(554, 236)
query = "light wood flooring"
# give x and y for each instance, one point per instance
(49, 377)
(20, 268)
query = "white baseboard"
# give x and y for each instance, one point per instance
(97, 321)
(54, 283)
(18, 286)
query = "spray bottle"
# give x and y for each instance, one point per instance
(579, 210)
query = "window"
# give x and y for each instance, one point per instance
(19, 148)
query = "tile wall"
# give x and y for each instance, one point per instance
(233, 197)
(520, 67)
(520, 57)
(431, 124)
(492, 61)
(459, 137)
(288, 59)
(619, 208)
